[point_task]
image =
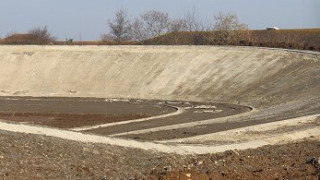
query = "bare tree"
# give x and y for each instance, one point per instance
(120, 26)
(156, 22)
(41, 35)
(194, 22)
(190, 18)
(177, 25)
(228, 29)
(106, 38)
(138, 31)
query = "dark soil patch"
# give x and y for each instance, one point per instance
(68, 120)
(76, 112)
(293, 161)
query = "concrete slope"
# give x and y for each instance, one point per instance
(252, 76)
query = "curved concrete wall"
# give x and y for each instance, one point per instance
(252, 76)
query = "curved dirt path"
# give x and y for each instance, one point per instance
(252, 132)
(186, 125)
(179, 111)
(178, 149)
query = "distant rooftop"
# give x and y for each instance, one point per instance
(273, 28)
(19, 37)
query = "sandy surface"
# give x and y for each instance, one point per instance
(249, 76)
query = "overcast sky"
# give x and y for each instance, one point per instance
(87, 19)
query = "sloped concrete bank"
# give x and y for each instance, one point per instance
(252, 76)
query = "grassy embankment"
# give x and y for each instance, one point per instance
(306, 39)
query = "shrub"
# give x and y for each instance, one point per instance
(41, 35)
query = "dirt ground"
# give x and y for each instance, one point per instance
(68, 120)
(80, 112)
(26, 156)
(293, 161)
(76, 112)
(193, 112)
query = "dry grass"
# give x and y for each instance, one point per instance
(294, 39)
(94, 43)
(306, 39)
(17, 39)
